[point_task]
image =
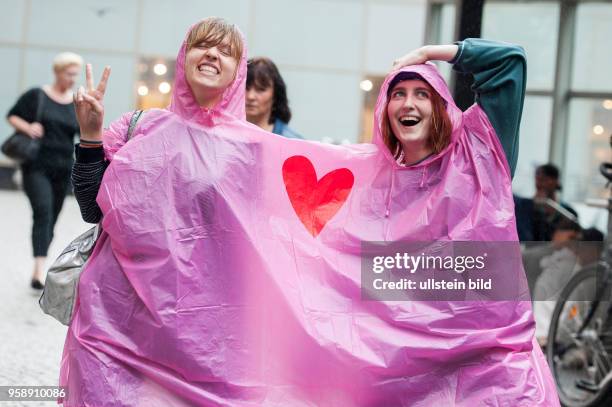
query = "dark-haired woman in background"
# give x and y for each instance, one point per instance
(266, 98)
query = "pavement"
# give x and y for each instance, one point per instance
(31, 342)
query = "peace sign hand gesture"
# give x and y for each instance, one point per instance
(89, 105)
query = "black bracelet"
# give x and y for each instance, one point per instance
(91, 142)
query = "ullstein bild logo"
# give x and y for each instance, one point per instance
(447, 271)
(433, 284)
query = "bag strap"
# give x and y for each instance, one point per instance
(97, 230)
(40, 100)
(133, 121)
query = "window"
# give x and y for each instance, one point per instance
(589, 131)
(567, 117)
(590, 106)
(539, 25)
(534, 144)
(592, 55)
(155, 81)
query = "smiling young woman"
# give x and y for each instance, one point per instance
(416, 124)
(207, 101)
(213, 52)
(450, 175)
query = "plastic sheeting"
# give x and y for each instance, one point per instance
(229, 270)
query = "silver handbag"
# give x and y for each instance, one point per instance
(59, 295)
(60, 292)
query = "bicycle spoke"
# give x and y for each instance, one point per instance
(600, 368)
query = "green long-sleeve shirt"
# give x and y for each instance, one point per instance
(500, 75)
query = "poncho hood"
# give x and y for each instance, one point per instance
(431, 75)
(232, 103)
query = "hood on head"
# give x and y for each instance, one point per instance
(232, 103)
(431, 75)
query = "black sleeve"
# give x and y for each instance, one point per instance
(25, 107)
(87, 174)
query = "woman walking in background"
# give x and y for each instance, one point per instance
(48, 113)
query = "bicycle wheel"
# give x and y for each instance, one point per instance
(579, 349)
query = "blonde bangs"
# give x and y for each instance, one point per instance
(212, 32)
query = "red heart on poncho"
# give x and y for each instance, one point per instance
(315, 202)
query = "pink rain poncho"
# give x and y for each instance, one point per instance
(228, 273)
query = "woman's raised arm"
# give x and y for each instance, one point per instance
(427, 53)
(500, 75)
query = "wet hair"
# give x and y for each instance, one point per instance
(440, 129)
(263, 73)
(212, 31)
(66, 59)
